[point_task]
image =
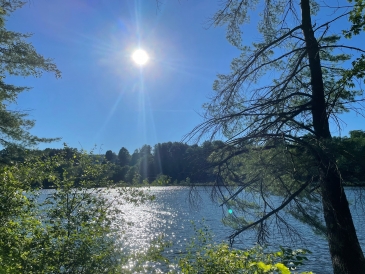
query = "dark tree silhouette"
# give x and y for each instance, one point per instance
(111, 156)
(124, 157)
(275, 109)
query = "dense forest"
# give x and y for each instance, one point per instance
(176, 163)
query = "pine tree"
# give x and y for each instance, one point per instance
(275, 109)
(17, 58)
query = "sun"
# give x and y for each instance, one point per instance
(140, 57)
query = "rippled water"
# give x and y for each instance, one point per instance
(171, 213)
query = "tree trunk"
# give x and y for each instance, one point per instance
(346, 254)
(345, 250)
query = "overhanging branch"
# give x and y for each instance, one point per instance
(284, 204)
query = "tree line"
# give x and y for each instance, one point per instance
(165, 163)
(177, 163)
(174, 162)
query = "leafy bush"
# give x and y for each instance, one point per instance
(75, 228)
(205, 257)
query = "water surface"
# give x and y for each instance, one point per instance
(171, 213)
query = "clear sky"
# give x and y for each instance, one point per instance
(103, 97)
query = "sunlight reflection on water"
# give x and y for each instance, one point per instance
(171, 214)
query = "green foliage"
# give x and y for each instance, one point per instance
(75, 229)
(357, 134)
(349, 157)
(275, 108)
(357, 18)
(11, 155)
(264, 180)
(124, 157)
(19, 227)
(111, 156)
(162, 180)
(205, 257)
(173, 159)
(18, 58)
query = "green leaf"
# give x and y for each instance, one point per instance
(283, 269)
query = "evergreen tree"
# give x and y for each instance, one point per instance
(146, 163)
(135, 157)
(17, 58)
(274, 109)
(111, 156)
(124, 157)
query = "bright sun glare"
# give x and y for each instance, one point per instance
(140, 57)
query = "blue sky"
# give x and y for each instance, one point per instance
(103, 98)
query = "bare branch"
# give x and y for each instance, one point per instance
(266, 216)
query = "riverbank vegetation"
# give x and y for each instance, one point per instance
(176, 163)
(278, 151)
(77, 227)
(74, 229)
